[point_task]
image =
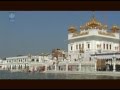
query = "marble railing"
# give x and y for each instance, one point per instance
(80, 34)
(107, 34)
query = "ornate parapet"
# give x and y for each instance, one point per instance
(80, 34)
(106, 33)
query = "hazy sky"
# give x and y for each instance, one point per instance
(41, 31)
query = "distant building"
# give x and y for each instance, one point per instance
(23, 62)
(58, 54)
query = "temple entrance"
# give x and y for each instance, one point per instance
(101, 66)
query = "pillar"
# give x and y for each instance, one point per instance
(95, 66)
(11, 67)
(114, 67)
(66, 67)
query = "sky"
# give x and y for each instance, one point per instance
(41, 31)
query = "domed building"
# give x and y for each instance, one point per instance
(93, 37)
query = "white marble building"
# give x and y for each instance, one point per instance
(93, 37)
(19, 63)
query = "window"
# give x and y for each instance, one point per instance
(88, 45)
(79, 46)
(37, 60)
(104, 46)
(110, 46)
(82, 45)
(98, 45)
(90, 59)
(32, 60)
(25, 60)
(76, 47)
(71, 47)
(107, 46)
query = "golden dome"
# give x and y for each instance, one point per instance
(72, 29)
(93, 23)
(115, 28)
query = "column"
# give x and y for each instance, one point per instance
(84, 46)
(114, 68)
(93, 46)
(95, 66)
(66, 67)
(11, 67)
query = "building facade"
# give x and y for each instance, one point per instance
(20, 63)
(93, 38)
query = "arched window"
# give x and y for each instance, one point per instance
(82, 45)
(103, 46)
(37, 60)
(32, 60)
(107, 46)
(76, 47)
(79, 46)
(25, 60)
(71, 48)
(110, 46)
(88, 45)
(90, 59)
